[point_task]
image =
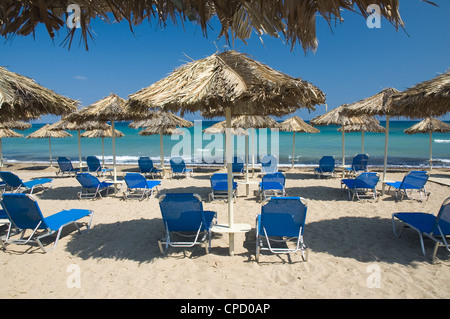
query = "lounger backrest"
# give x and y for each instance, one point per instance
(283, 216)
(269, 164)
(182, 211)
(177, 164)
(219, 181)
(87, 180)
(415, 180)
(367, 180)
(327, 164)
(275, 178)
(238, 165)
(145, 164)
(135, 180)
(11, 179)
(359, 162)
(23, 210)
(443, 219)
(93, 163)
(65, 164)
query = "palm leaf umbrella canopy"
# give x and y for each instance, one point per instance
(425, 99)
(226, 84)
(294, 21)
(47, 132)
(429, 125)
(65, 124)
(102, 133)
(16, 125)
(370, 125)
(21, 98)
(337, 116)
(110, 108)
(162, 123)
(6, 132)
(296, 125)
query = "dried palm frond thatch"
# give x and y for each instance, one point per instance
(101, 133)
(64, 124)
(430, 124)
(110, 108)
(294, 21)
(370, 125)
(337, 116)
(21, 98)
(227, 79)
(296, 124)
(373, 105)
(6, 132)
(47, 132)
(164, 120)
(429, 98)
(16, 125)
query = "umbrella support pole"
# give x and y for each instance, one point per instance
(386, 140)
(229, 179)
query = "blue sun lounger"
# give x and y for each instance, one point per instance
(219, 186)
(413, 181)
(364, 185)
(178, 167)
(146, 167)
(91, 186)
(436, 228)
(66, 167)
(139, 187)
(359, 164)
(183, 215)
(326, 166)
(237, 167)
(94, 166)
(282, 219)
(272, 184)
(13, 182)
(24, 212)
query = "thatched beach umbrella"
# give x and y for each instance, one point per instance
(378, 104)
(337, 117)
(65, 124)
(16, 125)
(296, 125)
(110, 108)
(425, 99)
(370, 125)
(6, 132)
(162, 123)
(227, 84)
(102, 133)
(429, 125)
(293, 21)
(21, 98)
(47, 132)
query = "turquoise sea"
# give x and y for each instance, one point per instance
(404, 150)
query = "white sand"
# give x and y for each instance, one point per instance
(350, 243)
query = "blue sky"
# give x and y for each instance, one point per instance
(352, 61)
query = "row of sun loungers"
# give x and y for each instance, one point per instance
(282, 219)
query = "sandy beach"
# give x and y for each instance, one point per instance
(349, 242)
